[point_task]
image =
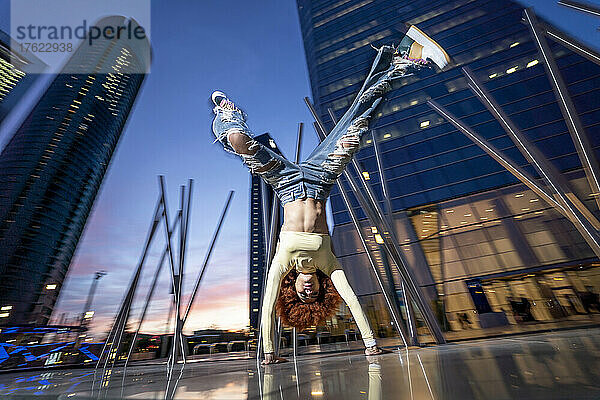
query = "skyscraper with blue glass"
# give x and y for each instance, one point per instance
(261, 203)
(52, 168)
(487, 248)
(18, 73)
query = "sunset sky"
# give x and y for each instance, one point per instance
(253, 51)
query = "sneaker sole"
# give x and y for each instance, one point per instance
(440, 57)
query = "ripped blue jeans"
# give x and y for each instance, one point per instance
(315, 176)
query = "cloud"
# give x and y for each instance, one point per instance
(222, 299)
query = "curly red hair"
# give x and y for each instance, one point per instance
(296, 313)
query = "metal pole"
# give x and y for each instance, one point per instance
(371, 209)
(273, 232)
(515, 170)
(579, 6)
(297, 160)
(174, 283)
(295, 344)
(207, 256)
(414, 337)
(578, 134)
(123, 313)
(299, 142)
(571, 43)
(182, 204)
(549, 173)
(265, 214)
(125, 318)
(384, 186)
(384, 291)
(149, 297)
(88, 304)
(181, 233)
(187, 218)
(332, 116)
(391, 306)
(412, 334)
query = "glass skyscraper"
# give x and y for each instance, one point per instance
(52, 168)
(18, 72)
(492, 254)
(261, 203)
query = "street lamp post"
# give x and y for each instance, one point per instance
(87, 314)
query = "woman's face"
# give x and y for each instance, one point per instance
(307, 287)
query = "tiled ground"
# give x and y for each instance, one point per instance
(560, 365)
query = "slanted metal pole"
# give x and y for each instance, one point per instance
(116, 332)
(332, 116)
(394, 312)
(174, 283)
(186, 226)
(370, 206)
(148, 298)
(515, 170)
(299, 142)
(274, 229)
(555, 181)
(579, 6)
(578, 134)
(412, 326)
(413, 339)
(207, 256)
(297, 161)
(265, 214)
(180, 267)
(570, 42)
(295, 341)
(88, 303)
(185, 229)
(371, 209)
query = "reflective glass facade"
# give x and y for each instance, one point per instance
(488, 249)
(17, 74)
(51, 170)
(256, 250)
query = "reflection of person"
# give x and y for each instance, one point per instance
(304, 272)
(375, 388)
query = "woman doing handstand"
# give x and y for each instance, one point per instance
(305, 274)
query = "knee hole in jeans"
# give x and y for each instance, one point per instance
(242, 143)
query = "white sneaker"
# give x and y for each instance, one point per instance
(221, 101)
(426, 48)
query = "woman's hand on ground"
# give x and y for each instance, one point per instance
(271, 358)
(373, 351)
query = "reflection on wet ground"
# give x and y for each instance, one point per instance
(563, 365)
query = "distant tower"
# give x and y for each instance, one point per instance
(17, 73)
(258, 258)
(52, 168)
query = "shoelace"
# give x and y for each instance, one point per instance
(227, 107)
(402, 63)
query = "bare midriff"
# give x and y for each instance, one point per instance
(305, 215)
